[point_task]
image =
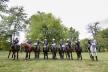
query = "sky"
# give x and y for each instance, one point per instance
(75, 13)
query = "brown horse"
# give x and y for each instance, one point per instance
(27, 48)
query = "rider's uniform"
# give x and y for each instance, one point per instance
(53, 45)
(62, 45)
(93, 48)
(16, 42)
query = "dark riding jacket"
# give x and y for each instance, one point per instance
(15, 42)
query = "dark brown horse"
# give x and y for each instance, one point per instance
(62, 51)
(53, 51)
(45, 51)
(69, 51)
(14, 49)
(78, 50)
(36, 50)
(27, 48)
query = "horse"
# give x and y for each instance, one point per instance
(45, 51)
(27, 48)
(93, 50)
(69, 51)
(88, 48)
(53, 50)
(62, 50)
(14, 50)
(78, 50)
(36, 50)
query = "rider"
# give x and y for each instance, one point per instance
(29, 42)
(62, 45)
(53, 43)
(46, 42)
(37, 42)
(93, 49)
(68, 43)
(15, 42)
(78, 43)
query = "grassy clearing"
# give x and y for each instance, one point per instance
(86, 65)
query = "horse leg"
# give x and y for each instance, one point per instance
(68, 55)
(14, 55)
(17, 55)
(38, 55)
(55, 54)
(9, 53)
(81, 56)
(26, 56)
(35, 54)
(29, 55)
(60, 54)
(47, 55)
(71, 56)
(77, 56)
(44, 55)
(63, 55)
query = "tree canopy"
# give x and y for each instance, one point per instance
(45, 25)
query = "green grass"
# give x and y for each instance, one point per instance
(32, 65)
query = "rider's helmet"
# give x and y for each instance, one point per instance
(67, 40)
(45, 39)
(37, 39)
(16, 38)
(53, 39)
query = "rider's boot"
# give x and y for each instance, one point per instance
(93, 58)
(96, 58)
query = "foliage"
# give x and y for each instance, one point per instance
(15, 21)
(102, 39)
(47, 26)
(3, 7)
(84, 45)
(72, 34)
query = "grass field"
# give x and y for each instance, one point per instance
(86, 65)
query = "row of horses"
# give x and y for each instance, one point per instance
(27, 48)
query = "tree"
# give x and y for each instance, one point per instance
(15, 21)
(73, 35)
(84, 45)
(45, 25)
(102, 39)
(3, 7)
(93, 29)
